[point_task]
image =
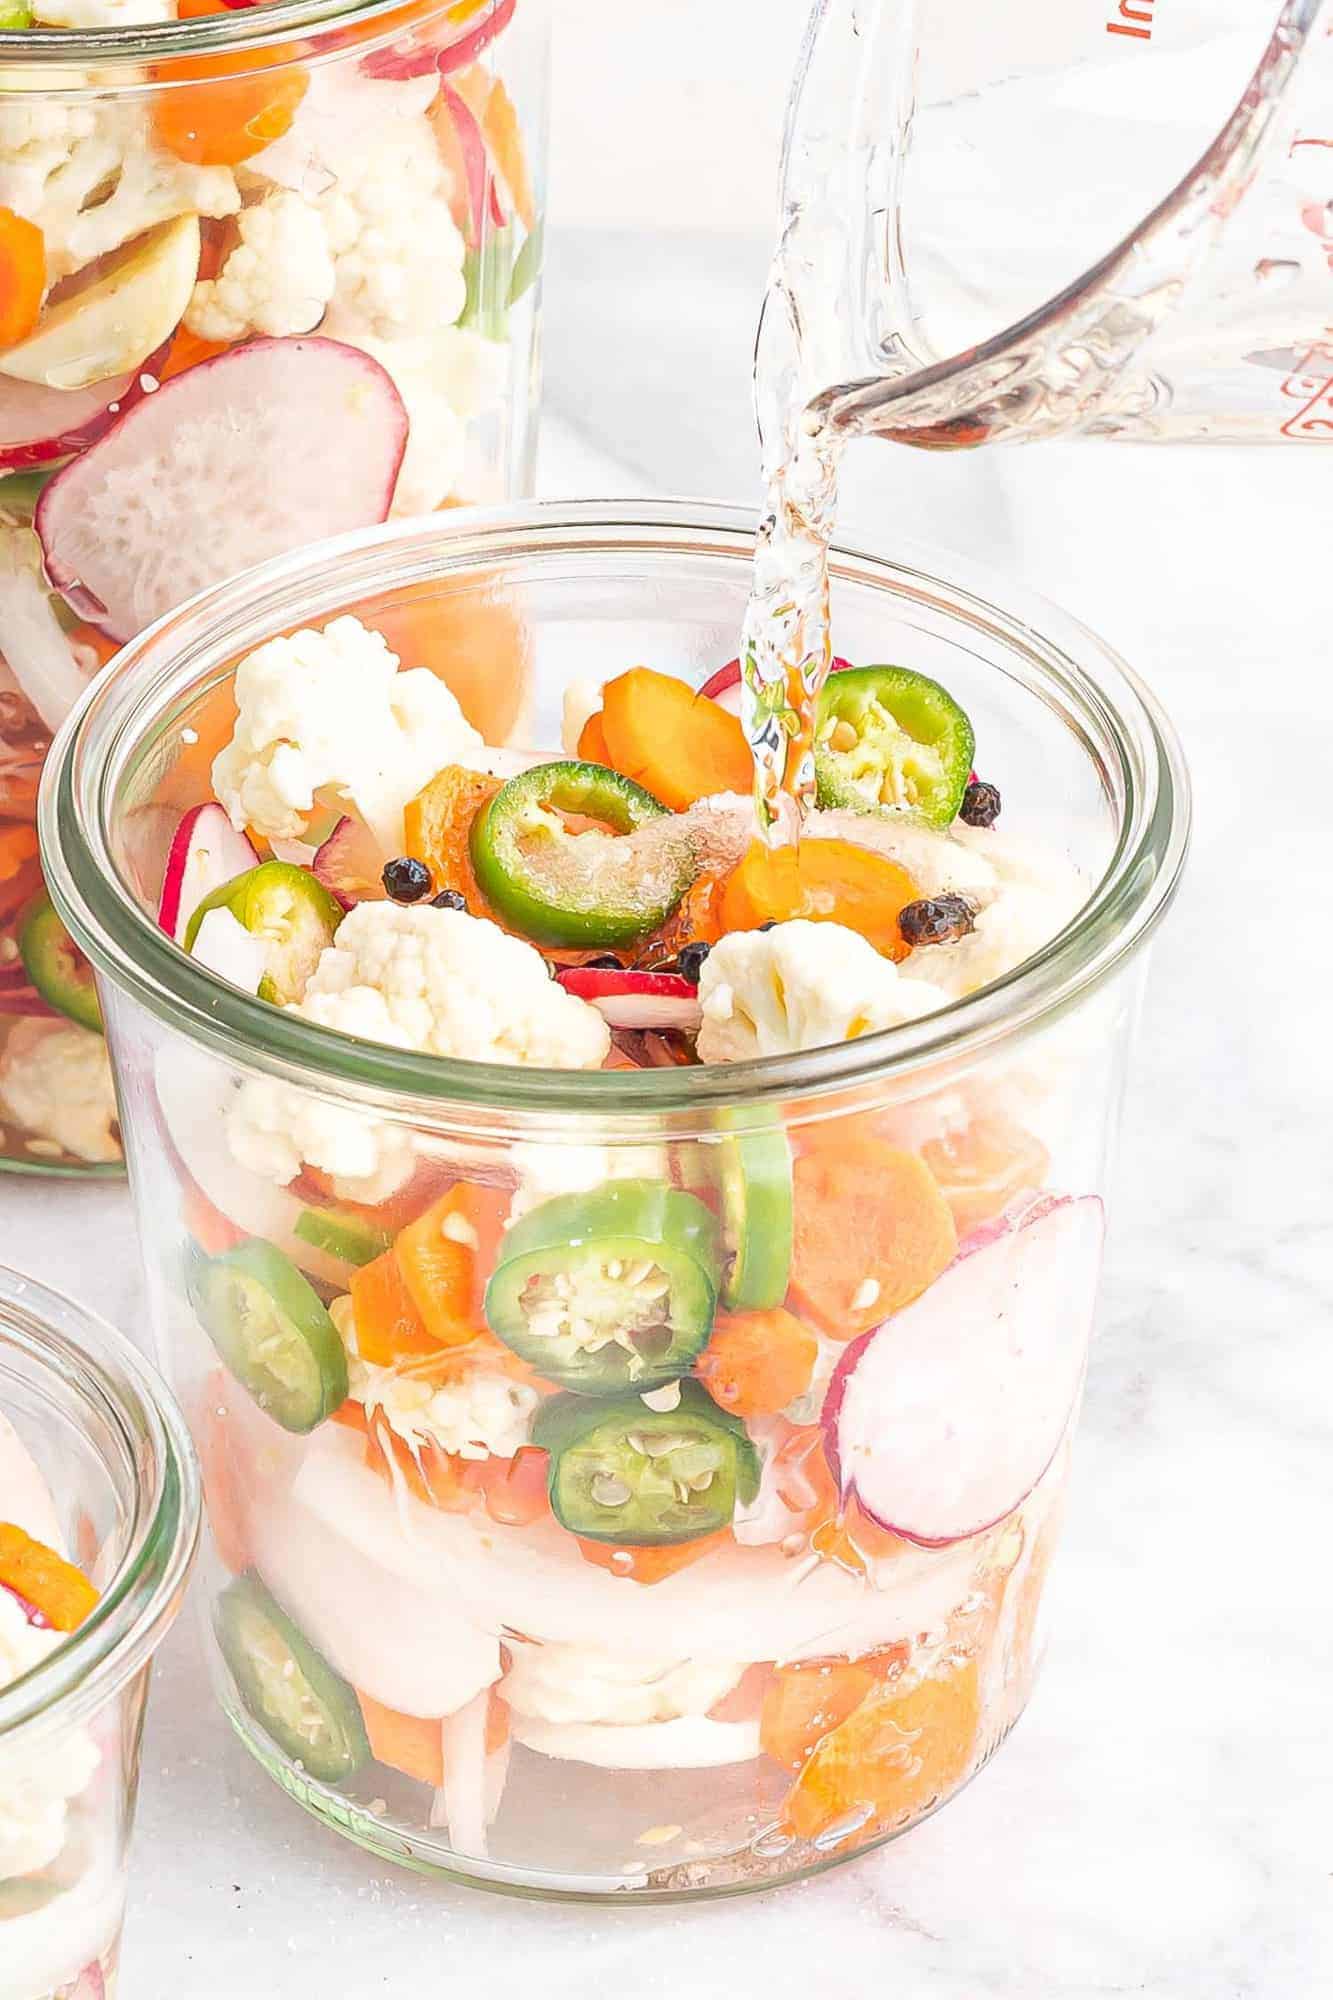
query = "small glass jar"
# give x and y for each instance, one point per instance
(283, 268)
(492, 1680)
(111, 1446)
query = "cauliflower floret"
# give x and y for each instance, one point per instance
(344, 114)
(272, 1128)
(36, 1783)
(397, 251)
(91, 178)
(100, 13)
(444, 379)
(548, 1169)
(581, 702)
(277, 280)
(480, 1414)
(563, 1684)
(454, 985)
(330, 710)
(55, 1080)
(801, 986)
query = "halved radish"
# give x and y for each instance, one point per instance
(113, 323)
(350, 864)
(205, 852)
(724, 687)
(940, 1421)
(259, 450)
(635, 999)
(39, 426)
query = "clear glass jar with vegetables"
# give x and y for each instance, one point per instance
(633, 1300)
(267, 273)
(99, 1517)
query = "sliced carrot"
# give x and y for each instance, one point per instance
(832, 881)
(22, 276)
(855, 1541)
(18, 843)
(592, 741)
(434, 1476)
(83, 634)
(412, 1744)
(905, 1745)
(394, 1213)
(213, 113)
(52, 1586)
(438, 824)
(445, 1256)
(493, 108)
(188, 349)
(515, 1489)
(678, 744)
(650, 1565)
(872, 1230)
(389, 1329)
(223, 1493)
(982, 1167)
(804, 1703)
(755, 1363)
(473, 637)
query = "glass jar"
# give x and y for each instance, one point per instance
(79, 1404)
(494, 1680)
(293, 250)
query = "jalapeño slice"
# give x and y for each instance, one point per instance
(886, 737)
(290, 910)
(610, 1290)
(620, 1472)
(754, 1177)
(56, 966)
(288, 1686)
(270, 1327)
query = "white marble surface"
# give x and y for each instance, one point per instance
(1159, 1825)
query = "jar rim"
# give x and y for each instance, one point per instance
(83, 1356)
(236, 29)
(110, 723)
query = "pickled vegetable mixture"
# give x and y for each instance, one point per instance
(737, 1451)
(255, 302)
(61, 1890)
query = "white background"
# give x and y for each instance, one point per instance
(1159, 1825)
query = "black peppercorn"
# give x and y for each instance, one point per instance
(406, 879)
(935, 920)
(981, 804)
(690, 960)
(449, 899)
(605, 961)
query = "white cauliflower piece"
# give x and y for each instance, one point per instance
(455, 985)
(277, 280)
(91, 177)
(549, 1169)
(801, 986)
(330, 711)
(397, 251)
(273, 1128)
(344, 114)
(37, 1782)
(481, 1414)
(568, 1684)
(445, 379)
(100, 13)
(55, 1081)
(582, 699)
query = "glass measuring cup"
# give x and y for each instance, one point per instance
(1109, 218)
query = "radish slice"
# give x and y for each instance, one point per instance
(205, 852)
(350, 864)
(724, 687)
(408, 58)
(635, 999)
(476, 164)
(263, 448)
(40, 425)
(226, 947)
(940, 1421)
(24, 1000)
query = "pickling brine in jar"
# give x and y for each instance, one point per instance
(266, 277)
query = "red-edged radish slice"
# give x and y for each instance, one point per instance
(350, 864)
(39, 426)
(724, 687)
(408, 58)
(476, 160)
(635, 999)
(940, 1421)
(205, 852)
(90, 1984)
(259, 450)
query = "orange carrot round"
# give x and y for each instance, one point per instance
(982, 1168)
(62, 1594)
(804, 1703)
(437, 827)
(678, 744)
(755, 1363)
(872, 1231)
(592, 741)
(653, 1565)
(832, 881)
(22, 276)
(223, 115)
